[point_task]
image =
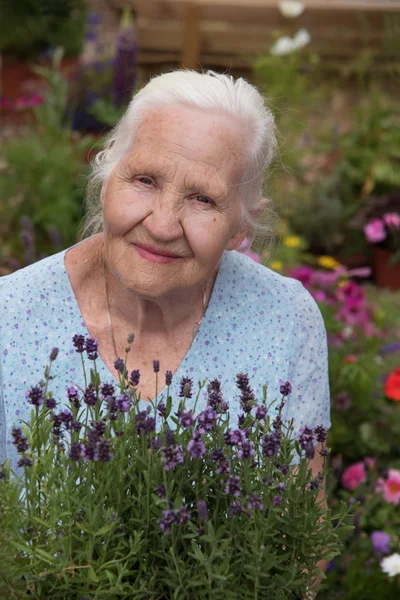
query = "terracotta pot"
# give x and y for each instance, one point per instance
(386, 274)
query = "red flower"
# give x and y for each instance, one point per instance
(350, 359)
(392, 385)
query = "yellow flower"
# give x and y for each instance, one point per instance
(328, 262)
(292, 241)
(276, 265)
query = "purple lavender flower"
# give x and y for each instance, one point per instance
(196, 448)
(119, 365)
(247, 399)
(168, 378)
(51, 403)
(215, 399)
(135, 377)
(76, 451)
(306, 441)
(320, 433)
(161, 491)
(65, 417)
(271, 444)
(172, 456)
(261, 412)
(342, 401)
(126, 58)
(78, 342)
(107, 389)
(73, 396)
(380, 542)
(236, 508)
(255, 503)
(143, 423)
(91, 348)
(185, 387)
(277, 500)
(232, 485)
(389, 348)
(156, 366)
(162, 409)
(202, 510)
(99, 426)
(90, 396)
(25, 461)
(35, 395)
(186, 419)
(206, 419)
(168, 519)
(104, 450)
(19, 440)
(246, 449)
(182, 516)
(156, 443)
(123, 403)
(233, 437)
(286, 388)
(53, 354)
(169, 437)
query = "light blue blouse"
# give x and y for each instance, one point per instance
(257, 322)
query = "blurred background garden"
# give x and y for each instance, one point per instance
(330, 71)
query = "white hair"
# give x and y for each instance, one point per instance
(206, 91)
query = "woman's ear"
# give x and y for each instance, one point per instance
(103, 192)
(262, 205)
(236, 241)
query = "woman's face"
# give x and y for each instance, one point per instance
(174, 193)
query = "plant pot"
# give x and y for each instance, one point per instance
(386, 274)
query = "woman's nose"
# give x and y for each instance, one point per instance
(164, 220)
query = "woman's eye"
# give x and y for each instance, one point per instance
(145, 180)
(203, 200)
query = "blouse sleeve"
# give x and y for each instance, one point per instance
(309, 402)
(2, 423)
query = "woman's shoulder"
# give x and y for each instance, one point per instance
(33, 286)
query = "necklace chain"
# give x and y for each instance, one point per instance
(196, 324)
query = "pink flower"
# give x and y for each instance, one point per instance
(375, 231)
(353, 476)
(392, 220)
(390, 487)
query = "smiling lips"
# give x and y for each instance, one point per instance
(154, 255)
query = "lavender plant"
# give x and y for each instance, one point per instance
(119, 502)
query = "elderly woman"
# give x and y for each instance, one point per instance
(172, 196)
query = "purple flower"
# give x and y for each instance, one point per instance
(215, 399)
(19, 440)
(126, 58)
(119, 365)
(78, 342)
(90, 396)
(123, 403)
(172, 456)
(261, 412)
(162, 409)
(236, 508)
(247, 399)
(255, 503)
(286, 388)
(342, 401)
(35, 395)
(156, 443)
(186, 419)
(246, 449)
(25, 461)
(76, 451)
(51, 403)
(161, 491)
(168, 519)
(135, 377)
(182, 516)
(271, 444)
(232, 485)
(202, 510)
(185, 387)
(306, 441)
(375, 231)
(73, 396)
(107, 389)
(320, 433)
(103, 448)
(234, 437)
(380, 542)
(389, 348)
(277, 500)
(156, 366)
(206, 419)
(91, 348)
(196, 448)
(53, 354)
(168, 378)
(144, 423)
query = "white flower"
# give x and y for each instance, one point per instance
(291, 9)
(391, 565)
(286, 45)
